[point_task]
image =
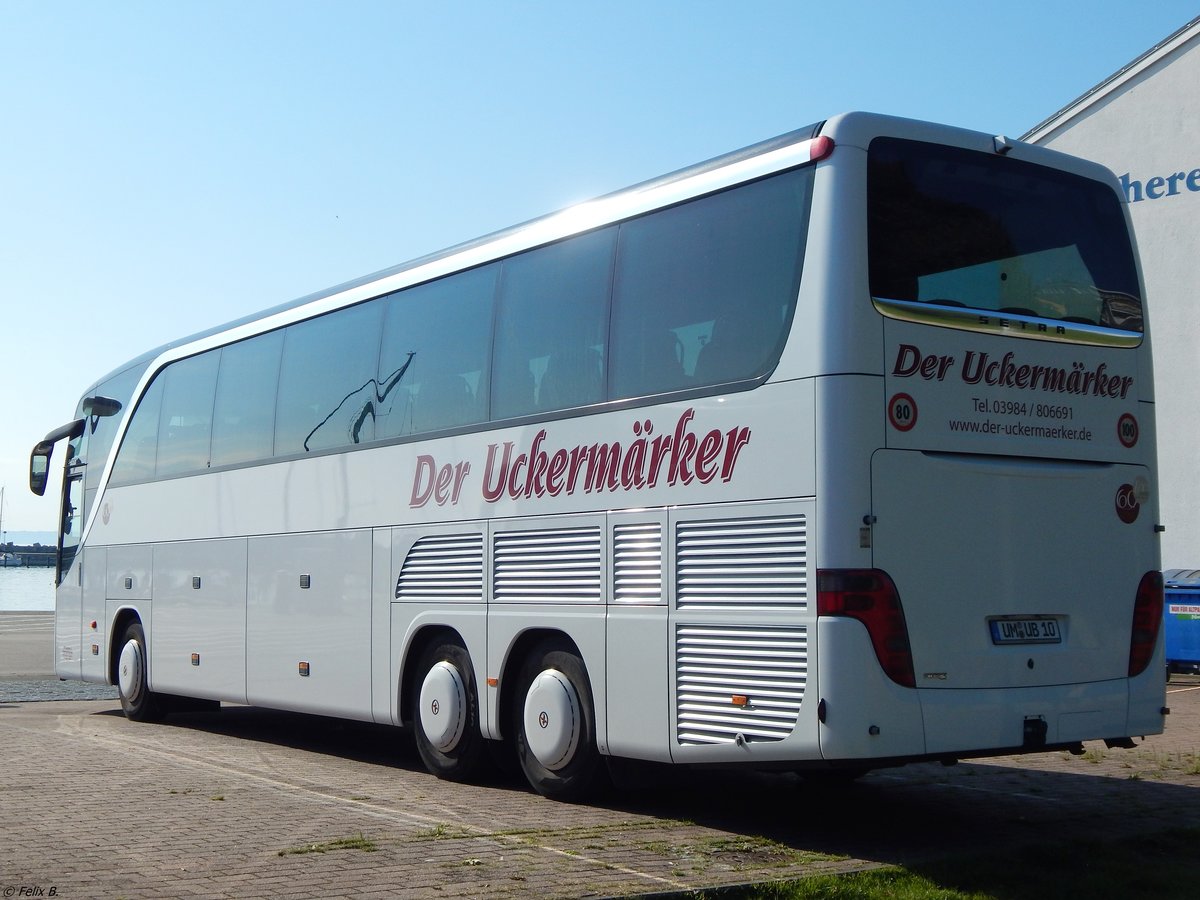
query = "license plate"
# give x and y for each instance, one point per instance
(1026, 630)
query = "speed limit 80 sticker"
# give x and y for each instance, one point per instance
(902, 412)
(1127, 430)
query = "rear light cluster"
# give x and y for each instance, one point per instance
(870, 596)
(1147, 619)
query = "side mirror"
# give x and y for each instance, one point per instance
(39, 467)
(39, 459)
(101, 406)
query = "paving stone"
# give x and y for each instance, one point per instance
(247, 802)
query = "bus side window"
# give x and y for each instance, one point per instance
(244, 413)
(512, 386)
(572, 377)
(553, 323)
(662, 361)
(736, 346)
(185, 428)
(434, 354)
(139, 448)
(102, 429)
(732, 259)
(327, 381)
(443, 401)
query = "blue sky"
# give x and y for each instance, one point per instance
(168, 166)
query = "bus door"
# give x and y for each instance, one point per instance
(73, 633)
(68, 606)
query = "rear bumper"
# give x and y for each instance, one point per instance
(961, 721)
(870, 718)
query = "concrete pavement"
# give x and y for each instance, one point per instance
(27, 662)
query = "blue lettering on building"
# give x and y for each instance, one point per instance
(1160, 186)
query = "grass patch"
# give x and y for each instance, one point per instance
(1187, 761)
(358, 842)
(1161, 866)
(892, 883)
(732, 853)
(443, 832)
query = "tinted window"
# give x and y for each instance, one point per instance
(71, 526)
(100, 430)
(139, 447)
(551, 327)
(697, 295)
(435, 355)
(185, 425)
(954, 227)
(704, 291)
(327, 381)
(244, 414)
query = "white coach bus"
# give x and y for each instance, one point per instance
(833, 453)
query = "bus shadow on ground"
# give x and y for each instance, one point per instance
(909, 815)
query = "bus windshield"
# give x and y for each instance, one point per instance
(959, 228)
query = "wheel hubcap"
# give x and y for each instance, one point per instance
(129, 671)
(552, 719)
(443, 706)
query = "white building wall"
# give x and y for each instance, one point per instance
(1144, 124)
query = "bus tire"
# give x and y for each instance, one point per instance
(555, 725)
(445, 713)
(139, 703)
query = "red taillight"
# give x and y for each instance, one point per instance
(869, 596)
(1147, 619)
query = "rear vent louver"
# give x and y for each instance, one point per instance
(560, 565)
(742, 562)
(738, 680)
(637, 563)
(443, 568)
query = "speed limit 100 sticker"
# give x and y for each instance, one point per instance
(1127, 430)
(902, 412)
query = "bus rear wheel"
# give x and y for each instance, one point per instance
(555, 726)
(139, 703)
(445, 709)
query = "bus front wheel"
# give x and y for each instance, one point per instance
(446, 713)
(139, 703)
(555, 725)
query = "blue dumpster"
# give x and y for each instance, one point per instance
(1181, 619)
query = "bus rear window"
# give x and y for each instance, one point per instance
(958, 228)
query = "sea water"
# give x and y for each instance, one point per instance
(26, 589)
